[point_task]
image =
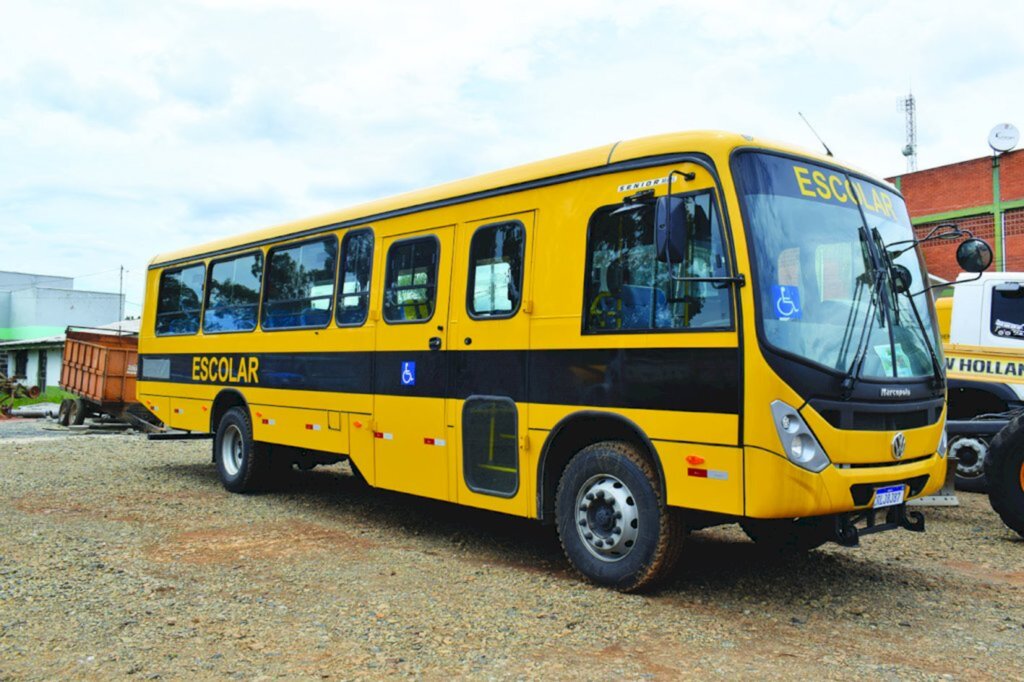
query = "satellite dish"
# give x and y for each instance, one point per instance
(1003, 137)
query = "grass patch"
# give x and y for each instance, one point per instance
(50, 395)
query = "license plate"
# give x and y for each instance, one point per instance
(888, 496)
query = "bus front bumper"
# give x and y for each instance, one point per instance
(776, 488)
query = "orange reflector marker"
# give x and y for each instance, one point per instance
(694, 459)
(358, 425)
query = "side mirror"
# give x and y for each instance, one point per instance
(670, 228)
(901, 278)
(974, 255)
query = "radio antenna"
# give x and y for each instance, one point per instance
(827, 150)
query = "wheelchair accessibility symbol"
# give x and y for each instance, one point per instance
(408, 373)
(787, 302)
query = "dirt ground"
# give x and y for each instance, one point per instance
(124, 558)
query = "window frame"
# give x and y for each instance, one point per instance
(727, 256)
(337, 278)
(202, 300)
(259, 301)
(266, 274)
(471, 273)
(462, 435)
(387, 278)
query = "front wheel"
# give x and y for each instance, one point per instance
(1004, 471)
(615, 528)
(242, 463)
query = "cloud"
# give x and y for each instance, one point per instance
(132, 128)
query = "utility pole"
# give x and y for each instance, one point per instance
(120, 294)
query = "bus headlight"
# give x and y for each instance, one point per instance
(943, 443)
(799, 444)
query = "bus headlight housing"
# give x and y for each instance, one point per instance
(799, 444)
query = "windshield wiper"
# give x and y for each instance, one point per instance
(895, 291)
(853, 372)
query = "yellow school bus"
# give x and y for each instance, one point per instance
(629, 342)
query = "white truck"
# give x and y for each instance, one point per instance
(982, 327)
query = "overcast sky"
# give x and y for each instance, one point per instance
(129, 128)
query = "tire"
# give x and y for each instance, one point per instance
(609, 492)
(64, 413)
(790, 536)
(78, 411)
(970, 468)
(243, 464)
(1004, 469)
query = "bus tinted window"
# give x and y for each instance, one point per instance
(496, 270)
(233, 294)
(354, 280)
(179, 300)
(300, 285)
(629, 289)
(411, 280)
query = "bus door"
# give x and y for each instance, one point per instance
(410, 366)
(489, 335)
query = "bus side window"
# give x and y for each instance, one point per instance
(354, 280)
(299, 289)
(233, 294)
(410, 284)
(629, 289)
(495, 284)
(180, 300)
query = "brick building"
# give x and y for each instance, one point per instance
(985, 196)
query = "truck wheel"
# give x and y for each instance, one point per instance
(790, 535)
(614, 527)
(970, 456)
(1004, 469)
(243, 464)
(77, 412)
(64, 413)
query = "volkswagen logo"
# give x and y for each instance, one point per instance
(899, 444)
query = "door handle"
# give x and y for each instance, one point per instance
(435, 343)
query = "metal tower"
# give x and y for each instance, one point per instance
(910, 151)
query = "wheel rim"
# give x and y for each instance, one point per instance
(231, 450)
(607, 518)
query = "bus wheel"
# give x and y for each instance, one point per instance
(614, 527)
(790, 535)
(1004, 470)
(241, 462)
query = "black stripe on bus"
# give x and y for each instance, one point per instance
(682, 379)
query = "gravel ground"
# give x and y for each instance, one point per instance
(121, 557)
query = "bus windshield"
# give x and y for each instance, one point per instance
(821, 295)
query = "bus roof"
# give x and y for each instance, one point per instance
(713, 142)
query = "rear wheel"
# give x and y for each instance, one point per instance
(64, 413)
(242, 463)
(615, 528)
(77, 412)
(790, 535)
(1004, 470)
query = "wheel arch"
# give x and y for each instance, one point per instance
(968, 398)
(224, 401)
(573, 433)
